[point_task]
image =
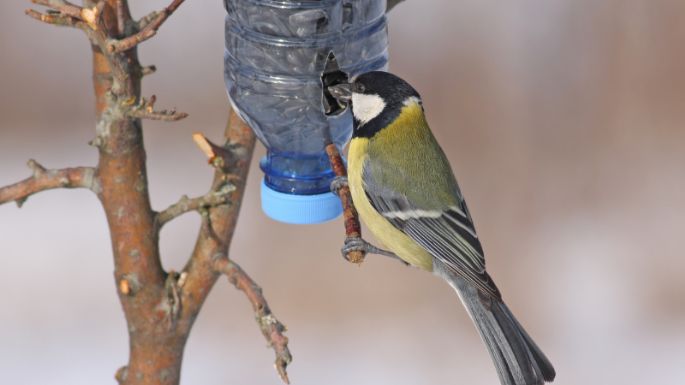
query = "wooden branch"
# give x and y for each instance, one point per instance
(89, 20)
(55, 19)
(164, 115)
(231, 163)
(160, 307)
(155, 348)
(156, 19)
(67, 14)
(185, 204)
(147, 19)
(62, 6)
(42, 179)
(350, 215)
(271, 328)
(145, 110)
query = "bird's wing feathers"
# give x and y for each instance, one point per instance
(447, 233)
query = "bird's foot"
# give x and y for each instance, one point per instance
(338, 183)
(358, 244)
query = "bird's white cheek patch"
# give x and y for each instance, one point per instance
(366, 107)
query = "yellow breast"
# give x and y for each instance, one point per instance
(390, 237)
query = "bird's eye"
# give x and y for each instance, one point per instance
(360, 88)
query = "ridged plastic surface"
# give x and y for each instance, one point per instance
(275, 53)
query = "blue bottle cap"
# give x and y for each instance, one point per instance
(300, 209)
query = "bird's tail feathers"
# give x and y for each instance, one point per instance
(517, 358)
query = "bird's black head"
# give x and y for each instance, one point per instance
(377, 99)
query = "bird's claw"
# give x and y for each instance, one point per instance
(358, 244)
(338, 183)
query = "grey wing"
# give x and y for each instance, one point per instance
(447, 234)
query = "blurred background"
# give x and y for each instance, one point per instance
(564, 123)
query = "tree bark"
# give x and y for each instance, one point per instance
(160, 307)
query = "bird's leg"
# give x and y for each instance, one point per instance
(358, 244)
(338, 183)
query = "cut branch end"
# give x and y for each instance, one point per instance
(219, 157)
(204, 145)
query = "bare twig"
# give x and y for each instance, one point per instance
(352, 227)
(185, 204)
(147, 19)
(271, 328)
(56, 19)
(165, 115)
(68, 14)
(145, 110)
(156, 19)
(64, 7)
(43, 179)
(89, 20)
(216, 235)
(231, 161)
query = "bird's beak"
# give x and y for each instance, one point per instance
(341, 92)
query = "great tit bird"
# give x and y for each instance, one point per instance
(404, 190)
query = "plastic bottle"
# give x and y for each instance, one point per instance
(275, 53)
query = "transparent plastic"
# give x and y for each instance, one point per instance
(275, 53)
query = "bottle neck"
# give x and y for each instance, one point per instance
(299, 174)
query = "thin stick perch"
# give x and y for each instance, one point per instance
(353, 228)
